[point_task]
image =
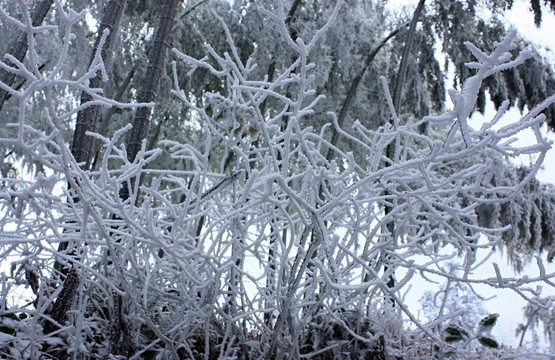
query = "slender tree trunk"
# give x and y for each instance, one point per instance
(273, 273)
(352, 92)
(404, 59)
(19, 47)
(81, 151)
(150, 83)
(272, 264)
(109, 113)
(391, 147)
(123, 344)
(87, 118)
(58, 313)
(152, 77)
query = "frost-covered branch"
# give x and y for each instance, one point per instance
(288, 250)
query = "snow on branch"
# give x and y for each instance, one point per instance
(260, 242)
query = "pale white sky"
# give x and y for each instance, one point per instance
(508, 304)
(544, 38)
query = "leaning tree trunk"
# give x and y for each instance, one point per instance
(351, 95)
(152, 77)
(19, 47)
(392, 146)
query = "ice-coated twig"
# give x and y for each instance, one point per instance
(254, 259)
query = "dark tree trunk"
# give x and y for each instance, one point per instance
(63, 303)
(404, 59)
(352, 92)
(88, 117)
(107, 117)
(168, 10)
(391, 147)
(150, 83)
(19, 47)
(58, 313)
(152, 77)
(273, 271)
(81, 151)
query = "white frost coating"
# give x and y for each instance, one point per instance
(269, 244)
(500, 59)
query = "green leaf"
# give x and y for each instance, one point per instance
(453, 338)
(149, 354)
(488, 342)
(488, 321)
(456, 330)
(7, 330)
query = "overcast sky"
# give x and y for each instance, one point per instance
(544, 38)
(508, 304)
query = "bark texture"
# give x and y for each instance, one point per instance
(152, 77)
(150, 83)
(87, 118)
